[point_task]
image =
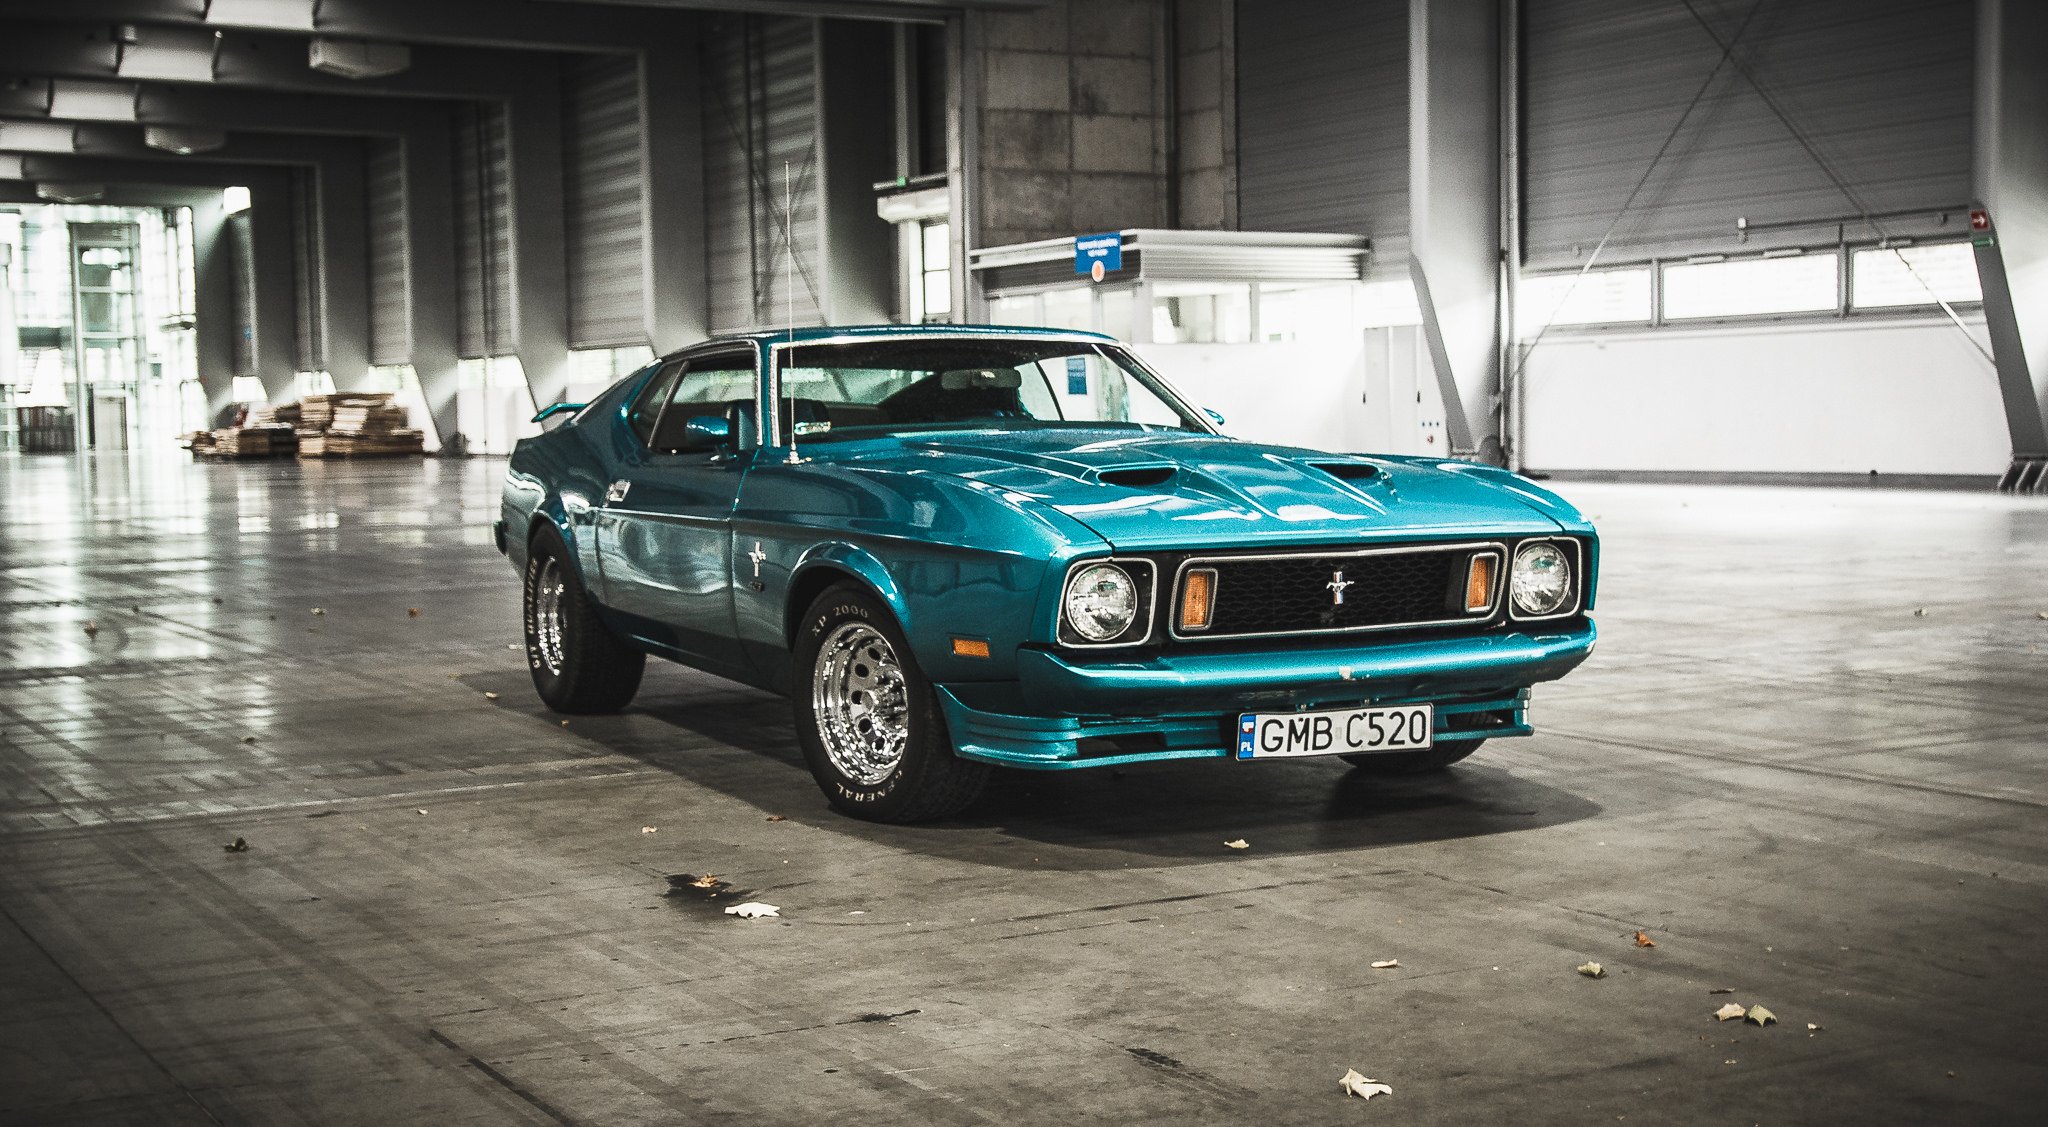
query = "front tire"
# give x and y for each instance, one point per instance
(1413, 762)
(867, 720)
(579, 666)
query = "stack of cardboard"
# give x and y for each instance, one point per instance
(355, 425)
(266, 441)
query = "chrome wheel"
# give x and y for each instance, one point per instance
(861, 703)
(547, 616)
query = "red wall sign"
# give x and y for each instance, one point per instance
(1980, 220)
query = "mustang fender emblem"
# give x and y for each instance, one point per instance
(1336, 585)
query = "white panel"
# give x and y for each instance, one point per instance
(1748, 287)
(36, 137)
(1915, 276)
(279, 15)
(169, 54)
(92, 101)
(1901, 397)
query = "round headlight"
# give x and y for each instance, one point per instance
(1542, 581)
(1102, 602)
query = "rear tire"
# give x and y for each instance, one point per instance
(867, 720)
(579, 666)
(1413, 762)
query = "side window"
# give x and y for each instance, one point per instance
(722, 386)
(647, 408)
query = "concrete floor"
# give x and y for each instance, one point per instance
(451, 910)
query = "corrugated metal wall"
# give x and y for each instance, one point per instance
(602, 201)
(1322, 117)
(390, 323)
(1881, 88)
(309, 313)
(483, 232)
(760, 119)
(243, 278)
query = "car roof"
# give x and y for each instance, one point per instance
(818, 333)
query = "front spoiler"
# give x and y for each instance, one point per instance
(1184, 705)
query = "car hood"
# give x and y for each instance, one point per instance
(1161, 491)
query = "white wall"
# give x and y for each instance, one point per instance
(1326, 395)
(1898, 397)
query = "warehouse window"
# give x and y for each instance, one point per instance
(1801, 283)
(1921, 275)
(935, 270)
(1597, 297)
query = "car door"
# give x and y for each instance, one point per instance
(664, 532)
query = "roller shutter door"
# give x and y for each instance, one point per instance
(760, 121)
(390, 324)
(308, 307)
(603, 193)
(244, 279)
(1322, 117)
(1882, 88)
(483, 232)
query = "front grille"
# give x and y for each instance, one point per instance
(1296, 594)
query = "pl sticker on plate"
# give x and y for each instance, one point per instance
(1342, 731)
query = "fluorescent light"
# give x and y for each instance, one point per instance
(234, 199)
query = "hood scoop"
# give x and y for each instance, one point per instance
(1348, 471)
(1137, 477)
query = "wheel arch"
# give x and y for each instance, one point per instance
(829, 564)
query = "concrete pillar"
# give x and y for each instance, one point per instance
(270, 231)
(213, 329)
(540, 248)
(2011, 180)
(672, 174)
(1454, 210)
(856, 152)
(344, 266)
(430, 263)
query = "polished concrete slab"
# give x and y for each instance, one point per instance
(453, 907)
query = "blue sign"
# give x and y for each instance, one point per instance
(1091, 249)
(1077, 375)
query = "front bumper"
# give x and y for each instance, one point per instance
(1184, 704)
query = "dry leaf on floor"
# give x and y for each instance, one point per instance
(753, 910)
(2041, 614)
(1240, 843)
(647, 829)
(1758, 1015)
(236, 846)
(218, 601)
(1593, 970)
(1722, 990)
(1386, 964)
(777, 818)
(490, 696)
(1920, 612)
(1812, 1028)
(1643, 939)
(1729, 1012)
(419, 811)
(705, 881)
(412, 612)
(1364, 1087)
(92, 629)
(319, 610)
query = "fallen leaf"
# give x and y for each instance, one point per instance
(1386, 964)
(647, 829)
(565, 723)
(1643, 940)
(777, 818)
(236, 846)
(1812, 1028)
(248, 739)
(1758, 1015)
(92, 629)
(412, 612)
(1920, 612)
(1722, 990)
(319, 610)
(1727, 1062)
(511, 645)
(490, 696)
(1593, 970)
(1729, 1012)
(705, 881)
(218, 601)
(419, 811)
(2041, 614)
(1240, 843)
(1364, 1087)
(753, 910)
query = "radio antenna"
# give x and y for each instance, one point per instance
(789, 297)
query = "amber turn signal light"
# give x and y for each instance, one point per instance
(1197, 598)
(1479, 583)
(970, 647)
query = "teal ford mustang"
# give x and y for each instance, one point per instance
(955, 547)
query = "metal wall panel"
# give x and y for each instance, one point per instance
(390, 317)
(243, 278)
(763, 235)
(483, 232)
(309, 306)
(1322, 117)
(603, 194)
(1881, 88)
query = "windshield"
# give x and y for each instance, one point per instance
(867, 388)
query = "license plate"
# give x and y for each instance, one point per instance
(1340, 731)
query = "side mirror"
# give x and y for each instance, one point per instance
(1214, 416)
(553, 409)
(703, 432)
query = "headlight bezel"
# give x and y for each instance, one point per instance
(1144, 577)
(1575, 579)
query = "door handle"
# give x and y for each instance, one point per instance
(617, 492)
